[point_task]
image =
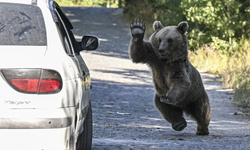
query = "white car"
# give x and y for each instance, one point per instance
(44, 82)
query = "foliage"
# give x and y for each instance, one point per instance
(166, 11)
(169, 12)
(88, 3)
(221, 22)
(234, 70)
(143, 10)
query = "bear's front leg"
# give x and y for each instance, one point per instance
(139, 50)
(178, 91)
(137, 28)
(172, 114)
(167, 100)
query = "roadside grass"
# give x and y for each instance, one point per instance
(234, 68)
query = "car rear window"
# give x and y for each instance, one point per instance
(21, 25)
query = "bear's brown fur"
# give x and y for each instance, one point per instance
(177, 83)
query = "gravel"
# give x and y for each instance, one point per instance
(124, 115)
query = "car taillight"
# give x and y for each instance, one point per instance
(36, 81)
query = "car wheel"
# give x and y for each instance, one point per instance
(84, 141)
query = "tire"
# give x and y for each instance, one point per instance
(84, 141)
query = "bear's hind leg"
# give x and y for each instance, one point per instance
(201, 113)
(172, 114)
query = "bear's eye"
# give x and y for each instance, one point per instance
(170, 40)
(159, 40)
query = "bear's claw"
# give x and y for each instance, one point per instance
(167, 100)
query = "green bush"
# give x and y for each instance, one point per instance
(91, 3)
(221, 23)
(234, 69)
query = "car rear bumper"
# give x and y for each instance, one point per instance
(35, 139)
(36, 128)
(34, 123)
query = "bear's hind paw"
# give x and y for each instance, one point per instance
(202, 132)
(179, 125)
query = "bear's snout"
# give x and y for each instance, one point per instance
(163, 53)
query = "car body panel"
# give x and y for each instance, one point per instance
(64, 65)
(22, 56)
(28, 2)
(36, 134)
(45, 139)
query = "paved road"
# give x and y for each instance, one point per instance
(124, 115)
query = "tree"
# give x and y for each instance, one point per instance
(221, 23)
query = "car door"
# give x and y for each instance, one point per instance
(83, 77)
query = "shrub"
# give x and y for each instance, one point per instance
(234, 68)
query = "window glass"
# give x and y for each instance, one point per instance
(67, 37)
(63, 35)
(21, 25)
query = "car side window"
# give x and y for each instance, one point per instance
(64, 37)
(64, 26)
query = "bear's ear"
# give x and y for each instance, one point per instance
(182, 27)
(157, 25)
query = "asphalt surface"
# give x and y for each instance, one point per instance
(124, 115)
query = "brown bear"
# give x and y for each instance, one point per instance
(178, 85)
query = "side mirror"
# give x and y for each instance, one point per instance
(89, 42)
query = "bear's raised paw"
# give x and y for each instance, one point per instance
(137, 29)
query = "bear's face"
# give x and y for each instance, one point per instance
(169, 42)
